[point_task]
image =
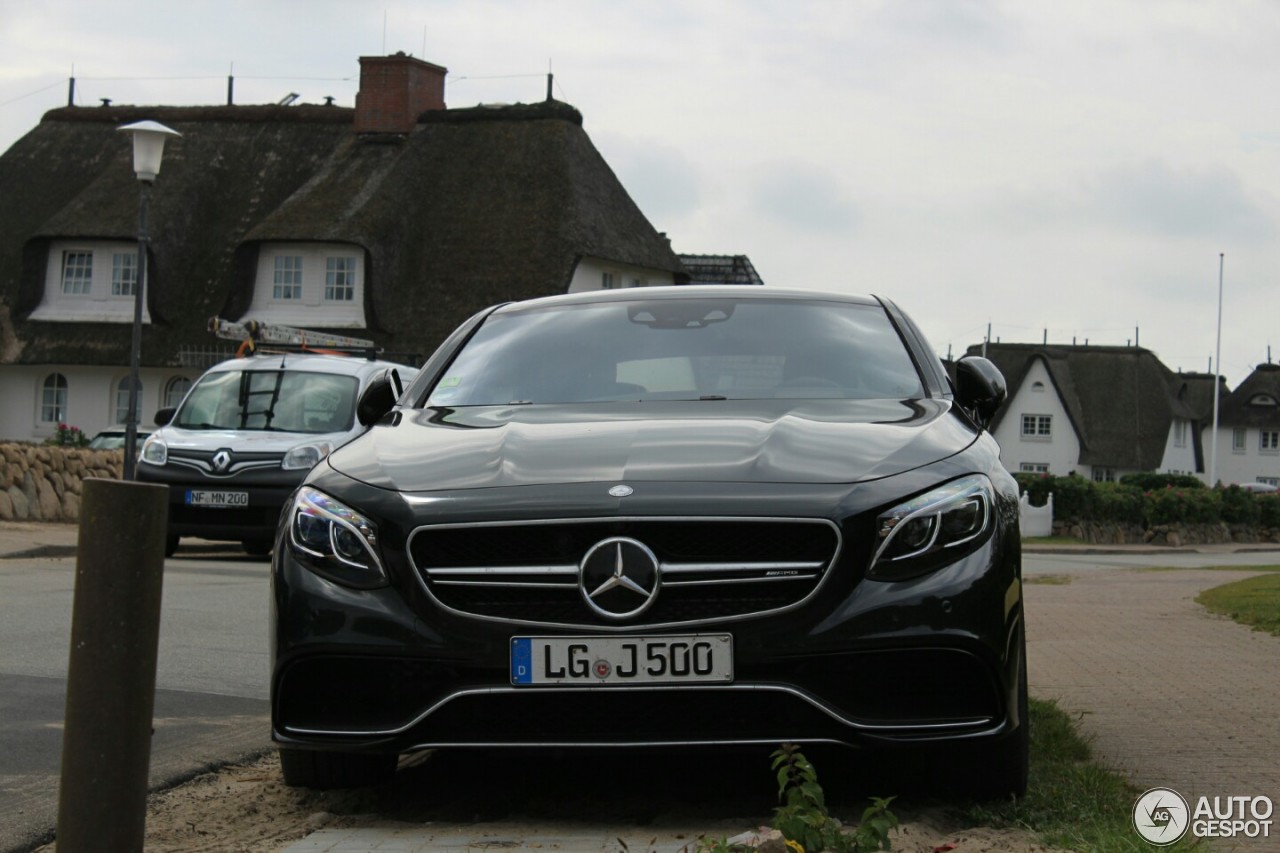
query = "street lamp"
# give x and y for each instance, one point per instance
(148, 147)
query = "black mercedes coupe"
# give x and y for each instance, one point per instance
(659, 517)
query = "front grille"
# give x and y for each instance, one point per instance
(239, 463)
(710, 569)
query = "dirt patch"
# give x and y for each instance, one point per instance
(247, 808)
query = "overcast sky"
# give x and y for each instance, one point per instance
(1063, 168)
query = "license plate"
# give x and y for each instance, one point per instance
(202, 497)
(593, 661)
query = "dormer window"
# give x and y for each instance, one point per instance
(1262, 400)
(90, 281)
(1037, 386)
(317, 285)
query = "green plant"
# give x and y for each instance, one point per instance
(68, 436)
(803, 817)
(1149, 480)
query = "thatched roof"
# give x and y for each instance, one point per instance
(1242, 407)
(472, 207)
(720, 269)
(1121, 400)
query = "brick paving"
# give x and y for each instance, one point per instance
(1171, 696)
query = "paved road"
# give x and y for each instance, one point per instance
(211, 698)
(1172, 696)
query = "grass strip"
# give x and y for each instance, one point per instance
(1072, 802)
(1253, 601)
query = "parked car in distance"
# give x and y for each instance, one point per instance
(1259, 488)
(247, 433)
(112, 438)
(664, 517)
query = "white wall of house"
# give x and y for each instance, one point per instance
(91, 398)
(1179, 449)
(597, 274)
(311, 285)
(1242, 456)
(1033, 450)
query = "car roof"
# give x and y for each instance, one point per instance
(675, 292)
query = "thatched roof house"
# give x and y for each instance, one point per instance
(1120, 405)
(454, 210)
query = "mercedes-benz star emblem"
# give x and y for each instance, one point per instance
(621, 491)
(619, 578)
(221, 461)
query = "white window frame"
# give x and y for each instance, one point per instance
(124, 273)
(1036, 427)
(54, 392)
(77, 272)
(1179, 432)
(286, 281)
(175, 389)
(1033, 467)
(608, 280)
(121, 409)
(339, 278)
(1269, 441)
(1104, 475)
(1239, 440)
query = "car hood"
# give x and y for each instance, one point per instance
(244, 441)
(821, 441)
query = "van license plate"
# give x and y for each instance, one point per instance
(203, 497)
(593, 661)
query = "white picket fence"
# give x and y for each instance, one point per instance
(1035, 520)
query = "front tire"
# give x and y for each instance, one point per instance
(310, 768)
(1002, 768)
(256, 547)
(170, 545)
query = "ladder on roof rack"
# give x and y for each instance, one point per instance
(252, 333)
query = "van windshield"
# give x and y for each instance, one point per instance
(271, 401)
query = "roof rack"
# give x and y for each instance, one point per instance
(252, 333)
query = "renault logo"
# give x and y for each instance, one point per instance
(619, 578)
(221, 461)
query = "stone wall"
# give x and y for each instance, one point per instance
(1174, 535)
(41, 482)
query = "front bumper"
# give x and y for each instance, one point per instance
(930, 659)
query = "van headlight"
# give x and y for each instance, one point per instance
(154, 451)
(334, 541)
(933, 529)
(305, 456)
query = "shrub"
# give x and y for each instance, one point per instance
(1240, 507)
(1118, 502)
(1149, 481)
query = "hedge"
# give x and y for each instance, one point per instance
(1151, 499)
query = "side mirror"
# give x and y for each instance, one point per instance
(980, 387)
(379, 397)
(165, 415)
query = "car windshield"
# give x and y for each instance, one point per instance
(681, 349)
(270, 400)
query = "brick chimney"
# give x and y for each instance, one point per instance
(394, 91)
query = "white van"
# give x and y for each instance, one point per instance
(247, 433)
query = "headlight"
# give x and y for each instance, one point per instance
(305, 456)
(934, 529)
(154, 451)
(333, 540)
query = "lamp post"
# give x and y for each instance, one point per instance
(148, 148)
